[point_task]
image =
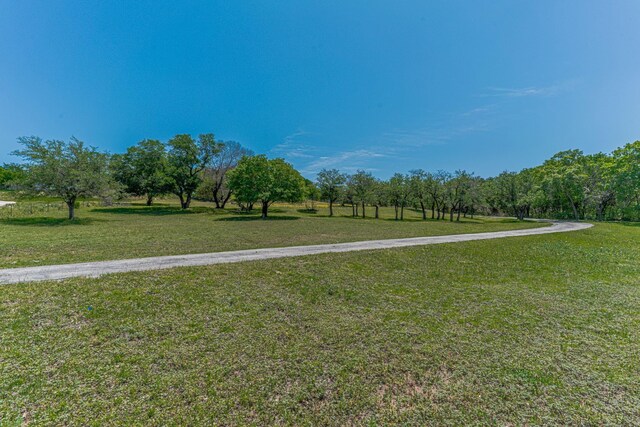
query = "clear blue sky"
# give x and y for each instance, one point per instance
(385, 86)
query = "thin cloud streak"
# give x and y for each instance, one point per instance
(355, 157)
(531, 91)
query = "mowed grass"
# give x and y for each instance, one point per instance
(517, 331)
(47, 237)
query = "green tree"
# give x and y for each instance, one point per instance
(66, 170)
(435, 186)
(566, 178)
(627, 179)
(398, 193)
(258, 179)
(456, 190)
(186, 160)
(379, 196)
(10, 174)
(599, 184)
(143, 170)
(331, 184)
(513, 192)
(362, 184)
(311, 194)
(420, 182)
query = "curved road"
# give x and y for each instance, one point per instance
(95, 269)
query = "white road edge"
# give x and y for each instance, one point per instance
(96, 269)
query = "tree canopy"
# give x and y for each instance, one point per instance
(263, 180)
(187, 159)
(143, 170)
(67, 170)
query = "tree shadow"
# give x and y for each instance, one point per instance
(48, 222)
(259, 218)
(155, 210)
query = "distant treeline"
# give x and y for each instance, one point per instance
(568, 185)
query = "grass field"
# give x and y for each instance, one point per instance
(47, 237)
(533, 330)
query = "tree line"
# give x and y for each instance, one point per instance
(568, 185)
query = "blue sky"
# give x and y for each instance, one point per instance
(380, 85)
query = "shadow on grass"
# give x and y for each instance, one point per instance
(155, 210)
(626, 223)
(48, 222)
(259, 218)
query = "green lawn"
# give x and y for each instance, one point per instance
(532, 330)
(46, 237)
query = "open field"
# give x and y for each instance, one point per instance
(100, 268)
(532, 330)
(140, 231)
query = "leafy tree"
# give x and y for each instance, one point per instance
(435, 186)
(331, 184)
(10, 174)
(66, 170)
(258, 179)
(456, 191)
(513, 192)
(143, 170)
(474, 196)
(349, 195)
(566, 178)
(420, 182)
(379, 196)
(627, 178)
(311, 193)
(186, 160)
(362, 184)
(398, 191)
(222, 162)
(600, 183)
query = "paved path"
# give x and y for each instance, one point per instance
(95, 269)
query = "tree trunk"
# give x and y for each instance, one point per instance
(433, 206)
(424, 211)
(185, 203)
(402, 212)
(575, 211)
(330, 207)
(149, 199)
(458, 218)
(216, 199)
(451, 214)
(377, 211)
(71, 204)
(225, 200)
(362, 209)
(356, 212)
(265, 208)
(396, 208)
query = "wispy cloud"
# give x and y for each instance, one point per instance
(442, 130)
(531, 91)
(344, 160)
(292, 147)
